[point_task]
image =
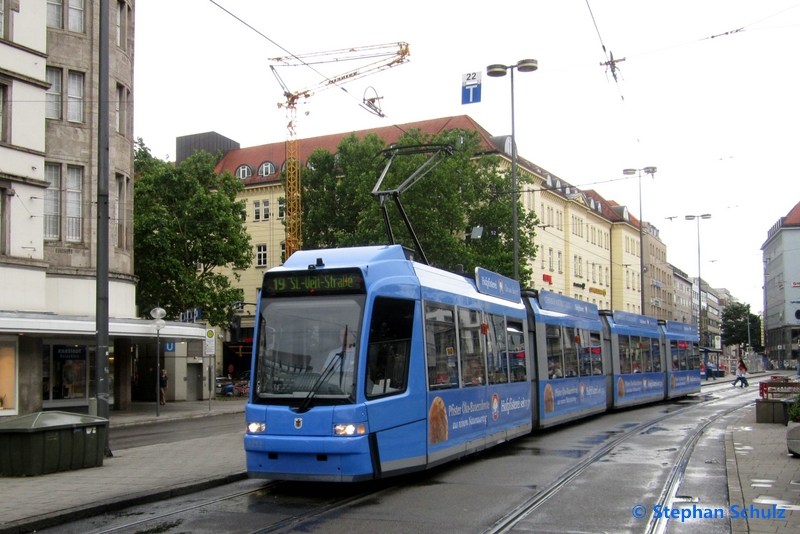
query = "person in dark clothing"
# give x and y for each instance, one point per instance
(163, 383)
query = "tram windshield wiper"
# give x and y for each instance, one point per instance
(323, 378)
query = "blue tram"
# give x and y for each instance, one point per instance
(635, 346)
(367, 364)
(573, 374)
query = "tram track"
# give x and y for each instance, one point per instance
(669, 490)
(171, 520)
(286, 506)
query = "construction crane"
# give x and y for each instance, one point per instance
(380, 57)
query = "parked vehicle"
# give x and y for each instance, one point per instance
(224, 385)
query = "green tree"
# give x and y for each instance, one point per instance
(187, 224)
(466, 190)
(736, 320)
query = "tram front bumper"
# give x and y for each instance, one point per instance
(335, 459)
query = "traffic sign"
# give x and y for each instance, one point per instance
(471, 88)
(211, 343)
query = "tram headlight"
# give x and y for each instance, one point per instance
(256, 428)
(349, 429)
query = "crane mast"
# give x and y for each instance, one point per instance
(383, 57)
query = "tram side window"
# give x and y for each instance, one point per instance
(389, 347)
(572, 347)
(625, 355)
(656, 353)
(679, 355)
(555, 364)
(497, 350)
(473, 363)
(647, 355)
(516, 351)
(592, 355)
(636, 354)
(694, 357)
(440, 346)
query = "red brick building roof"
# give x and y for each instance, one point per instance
(276, 152)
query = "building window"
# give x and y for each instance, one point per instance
(75, 16)
(5, 119)
(256, 211)
(120, 23)
(55, 13)
(550, 259)
(281, 209)
(266, 169)
(74, 203)
(5, 197)
(244, 171)
(121, 211)
(2, 19)
(560, 262)
(75, 97)
(73, 196)
(52, 202)
(261, 255)
(52, 108)
(119, 110)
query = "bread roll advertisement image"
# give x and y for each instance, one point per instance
(437, 417)
(549, 399)
(620, 387)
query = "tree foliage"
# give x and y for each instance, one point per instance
(466, 190)
(187, 224)
(736, 320)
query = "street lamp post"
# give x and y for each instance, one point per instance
(629, 172)
(699, 278)
(158, 314)
(497, 71)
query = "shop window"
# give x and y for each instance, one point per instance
(8, 376)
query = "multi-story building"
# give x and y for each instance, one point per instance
(707, 313)
(657, 283)
(682, 296)
(49, 85)
(584, 242)
(781, 254)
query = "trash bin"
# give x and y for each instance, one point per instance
(47, 442)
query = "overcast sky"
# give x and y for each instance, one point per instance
(710, 91)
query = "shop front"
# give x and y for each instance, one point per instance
(48, 362)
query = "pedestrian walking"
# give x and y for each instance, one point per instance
(741, 371)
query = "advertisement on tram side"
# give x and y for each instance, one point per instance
(562, 396)
(682, 381)
(635, 386)
(458, 415)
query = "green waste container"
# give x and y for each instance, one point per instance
(48, 442)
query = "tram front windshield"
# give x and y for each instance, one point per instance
(308, 349)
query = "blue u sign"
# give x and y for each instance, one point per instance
(169, 346)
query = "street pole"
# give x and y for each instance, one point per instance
(651, 171)
(496, 71)
(158, 314)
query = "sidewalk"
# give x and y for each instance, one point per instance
(760, 471)
(132, 476)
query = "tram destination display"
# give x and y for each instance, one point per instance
(313, 282)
